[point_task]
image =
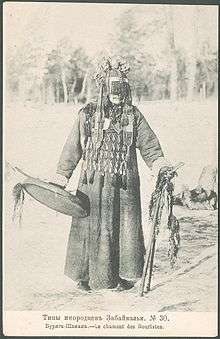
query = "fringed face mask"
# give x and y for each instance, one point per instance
(117, 89)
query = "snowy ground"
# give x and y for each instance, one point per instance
(34, 255)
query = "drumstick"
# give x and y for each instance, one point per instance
(178, 166)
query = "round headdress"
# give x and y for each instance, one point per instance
(111, 67)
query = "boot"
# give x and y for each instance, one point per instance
(83, 285)
(124, 285)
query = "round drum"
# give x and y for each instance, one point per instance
(56, 197)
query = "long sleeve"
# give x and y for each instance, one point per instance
(147, 141)
(72, 149)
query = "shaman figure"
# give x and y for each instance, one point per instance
(106, 249)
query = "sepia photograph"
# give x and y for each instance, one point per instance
(110, 192)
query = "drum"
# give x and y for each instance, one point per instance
(56, 197)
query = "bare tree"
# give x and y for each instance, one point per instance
(192, 51)
(172, 53)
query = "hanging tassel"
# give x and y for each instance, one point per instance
(120, 181)
(114, 180)
(84, 181)
(91, 179)
(18, 196)
(124, 182)
(174, 239)
(88, 128)
(102, 180)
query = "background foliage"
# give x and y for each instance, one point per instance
(164, 65)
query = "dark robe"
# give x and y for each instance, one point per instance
(109, 243)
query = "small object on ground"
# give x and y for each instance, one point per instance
(204, 195)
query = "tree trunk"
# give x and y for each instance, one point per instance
(84, 85)
(76, 99)
(89, 91)
(191, 78)
(203, 90)
(57, 92)
(173, 61)
(72, 91)
(50, 93)
(37, 94)
(192, 51)
(63, 80)
(173, 79)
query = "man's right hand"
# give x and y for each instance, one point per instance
(60, 180)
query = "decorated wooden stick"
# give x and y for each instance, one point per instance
(150, 251)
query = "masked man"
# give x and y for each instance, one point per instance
(106, 249)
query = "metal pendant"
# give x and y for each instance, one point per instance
(107, 122)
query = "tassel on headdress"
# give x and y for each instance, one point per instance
(18, 195)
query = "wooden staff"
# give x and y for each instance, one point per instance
(150, 251)
(148, 265)
(151, 264)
